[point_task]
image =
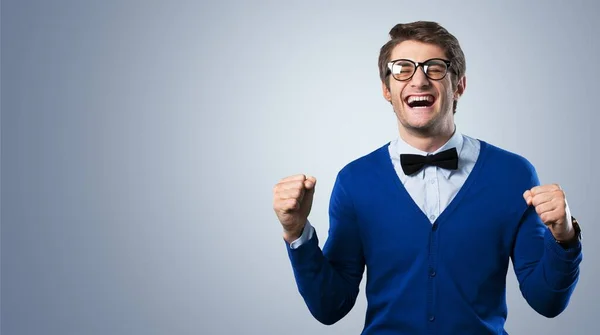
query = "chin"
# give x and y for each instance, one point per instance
(420, 127)
(420, 120)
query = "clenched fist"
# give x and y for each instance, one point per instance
(551, 206)
(292, 200)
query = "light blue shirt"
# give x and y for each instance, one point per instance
(432, 188)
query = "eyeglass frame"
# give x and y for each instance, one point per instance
(417, 64)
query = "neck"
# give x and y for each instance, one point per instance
(427, 140)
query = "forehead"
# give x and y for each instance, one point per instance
(417, 51)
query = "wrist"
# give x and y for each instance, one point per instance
(566, 236)
(291, 235)
(572, 237)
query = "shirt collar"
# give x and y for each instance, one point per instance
(456, 141)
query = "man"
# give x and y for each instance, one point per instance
(434, 216)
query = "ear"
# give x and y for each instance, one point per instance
(460, 87)
(387, 95)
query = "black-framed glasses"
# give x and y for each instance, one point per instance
(404, 69)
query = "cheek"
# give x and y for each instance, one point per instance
(396, 93)
(445, 92)
(397, 101)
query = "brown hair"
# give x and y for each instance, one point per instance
(426, 32)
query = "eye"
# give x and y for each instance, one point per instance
(436, 68)
(402, 68)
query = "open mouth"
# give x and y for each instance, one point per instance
(420, 101)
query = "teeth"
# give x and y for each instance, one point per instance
(414, 98)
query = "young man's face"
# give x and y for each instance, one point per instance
(422, 104)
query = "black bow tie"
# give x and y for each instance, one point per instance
(447, 159)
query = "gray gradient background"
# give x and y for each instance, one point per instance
(141, 141)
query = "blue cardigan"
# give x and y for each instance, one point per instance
(445, 278)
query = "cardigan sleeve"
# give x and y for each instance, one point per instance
(329, 279)
(547, 272)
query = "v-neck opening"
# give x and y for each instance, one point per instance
(457, 198)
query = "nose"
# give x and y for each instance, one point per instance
(419, 79)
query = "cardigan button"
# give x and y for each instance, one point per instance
(432, 272)
(431, 318)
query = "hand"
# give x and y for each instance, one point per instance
(292, 201)
(551, 205)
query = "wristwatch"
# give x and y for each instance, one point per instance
(575, 240)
